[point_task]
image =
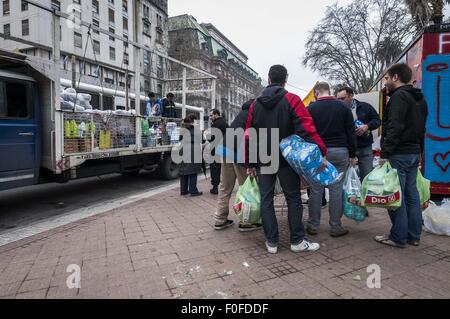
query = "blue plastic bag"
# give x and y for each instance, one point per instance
(306, 158)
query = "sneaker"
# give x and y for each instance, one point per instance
(214, 191)
(225, 225)
(245, 228)
(415, 243)
(312, 231)
(338, 232)
(271, 249)
(305, 246)
(197, 194)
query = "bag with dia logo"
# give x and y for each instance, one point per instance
(381, 188)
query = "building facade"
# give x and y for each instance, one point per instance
(205, 47)
(88, 55)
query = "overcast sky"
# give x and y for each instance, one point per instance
(267, 31)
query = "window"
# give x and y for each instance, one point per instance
(78, 40)
(7, 29)
(96, 46)
(25, 27)
(125, 6)
(125, 58)
(96, 23)
(146, 30)
(24, 6)
(95, 7)
(13, 100)
(94, 70)
(56, 5)
(125, 43)
(108, 103)
(159, 21)
(111, 38)
(111, 2)
(159, 36)
(111, 16)
(112, 53)
(5, 7)
(146, 11)
(125, 23)
(77, 1)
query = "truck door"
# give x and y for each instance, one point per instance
(17, 134)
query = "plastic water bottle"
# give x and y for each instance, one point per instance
(81, 129)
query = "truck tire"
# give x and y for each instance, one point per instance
(168, 170)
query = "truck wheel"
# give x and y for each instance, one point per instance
(168, 170)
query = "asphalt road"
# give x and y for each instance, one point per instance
(25, 206)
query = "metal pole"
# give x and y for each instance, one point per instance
(184, 89)
(74, 71)
(213, 94)
(137, 71)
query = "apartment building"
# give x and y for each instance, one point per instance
(88, 55)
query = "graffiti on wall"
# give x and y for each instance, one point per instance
(436, 87)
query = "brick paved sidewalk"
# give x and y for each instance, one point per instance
(165, 247)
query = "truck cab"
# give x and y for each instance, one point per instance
(19, 131)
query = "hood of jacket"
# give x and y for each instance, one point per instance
(271, 96)
(416, 93)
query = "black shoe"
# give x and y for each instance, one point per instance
(245, 228)
(197, 194)
(225, 225)
(312, 231)
(415, 243)
(214, 191)
(184, 194)
(339, 232)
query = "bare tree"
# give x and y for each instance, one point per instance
(426, 11)
(354, 44)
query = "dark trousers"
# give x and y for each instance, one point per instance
(188, 184)
(215, 173)
(407, 221)
(290, 183)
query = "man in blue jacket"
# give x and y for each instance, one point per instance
(370, 119)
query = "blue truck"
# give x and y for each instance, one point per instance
(38, 141)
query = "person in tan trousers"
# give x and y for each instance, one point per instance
(230, 173)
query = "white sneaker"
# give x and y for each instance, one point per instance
(271, 250)
(305, 246)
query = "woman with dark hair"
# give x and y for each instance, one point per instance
(190, 169)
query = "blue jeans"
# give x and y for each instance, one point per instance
(188, 184)
(290, 182)
(407, 221)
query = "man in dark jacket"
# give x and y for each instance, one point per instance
(280, 110)
(402, 144)
(217, 122)
(368, 116)
(335, 125)
(230, 172)
(168, 106)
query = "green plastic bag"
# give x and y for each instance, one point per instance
(247, 205)
(145, 128)
(423, 186)
(381, 188)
